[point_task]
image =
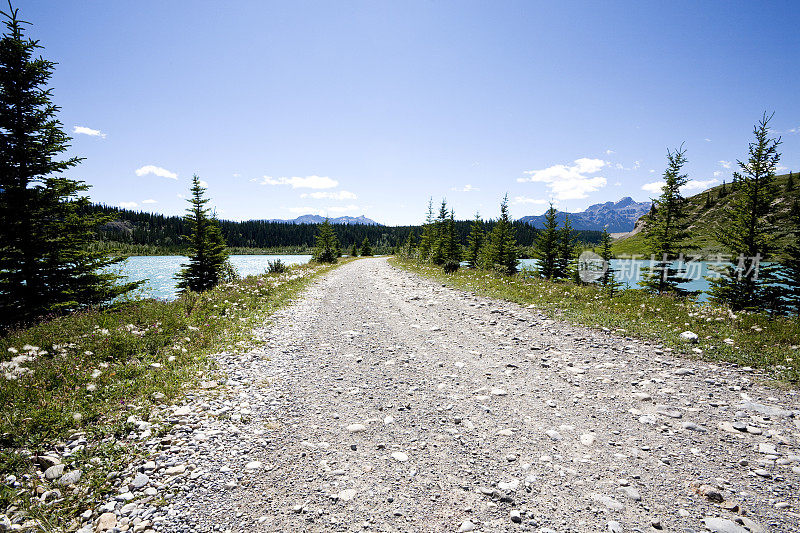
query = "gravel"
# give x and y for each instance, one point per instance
(379, 401)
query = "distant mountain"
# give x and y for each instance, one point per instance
(618, 216)
(316, 219)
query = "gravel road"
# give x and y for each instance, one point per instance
(385, 402)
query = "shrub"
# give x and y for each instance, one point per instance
(276, 267)
(450, 266)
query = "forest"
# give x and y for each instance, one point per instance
(153, 231)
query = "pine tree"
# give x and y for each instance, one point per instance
(407, 250)
(723, 192)
(566, 250)
(547, 245)
(608, 280)
(207, 251)
(366, 249)
(747, 232)
(439, 252)
(790, 271)
(666, 231)
(46, 262)
(354, 250)
(475, 242)
(708, 203)
(452, 248)
(428, 236)
(790, 182)
(327, 249)
(501, 251)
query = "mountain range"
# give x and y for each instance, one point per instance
(617, 217)
(316, 219)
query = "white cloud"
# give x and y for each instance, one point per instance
(617, 183)
(570, 182)
(717, 173)
(203, 183)
(652, 171)
(465, 188)
(157, 171)
(692, 185)
(609, 152)
(83, 130)
(308, 182)
(653, 187)
(707, 140)
(725, 164)
(526, 200)
(338, 195)
(181, 196)
(699, 185)
(149, 201)
(128, 205)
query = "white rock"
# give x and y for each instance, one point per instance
(400, 456)
(356, 428)
(346, 495)
(498, 392)
(253, 465)
(689, 336)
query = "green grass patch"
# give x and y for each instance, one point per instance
(87, 372)
(747, 339)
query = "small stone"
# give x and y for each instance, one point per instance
(666, 410)
(508, 485)
(782, 505)
(356, 428)
(465, 526)
(631, 493)
(253, 465)
(346, 495)
(694, 427)
(689, 336)
(515, 516)
(614, 527)
(106, 522)
(175, 470)
(767, 448)
(553, 434)
(54, 472)
(399, 456)
(498, 392)
(710, 493)
(763, 473)
(587, 439)
(607, 501)
(70, 478)
(720, 525)
(140, 480)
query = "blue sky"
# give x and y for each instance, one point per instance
(351, 108)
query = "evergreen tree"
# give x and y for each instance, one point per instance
(354, 250)
(327, 249)
(608, 280)
(439, 251)
(428, 237)
(547, 245)
(46, 262)
(207, 251)
(747, 232)
(566, 250)
(475, 242)
(708, 203)
(452, 248)
(407, 250)
(666, 231)
(790, 182)
(790, 271)
(723, 192)
(366, 249)
(501, 251)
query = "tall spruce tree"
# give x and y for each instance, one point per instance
(566, 250)
(608, 280)
(501, 251)
(439, 251)
(723, 192)
(366, 249)
(46, 262)
(475, 242)
(428, 236)
(327, 249)
(547, 245)
(452, 248)
(666, 230)
(747, 232)
(354, 250)
(790, 182)
(207, 251)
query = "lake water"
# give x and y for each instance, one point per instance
(630, 272)
(160, 270)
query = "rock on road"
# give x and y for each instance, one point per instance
(385, 402)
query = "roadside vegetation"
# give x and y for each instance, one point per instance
(80, 376)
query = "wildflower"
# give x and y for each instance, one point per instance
(91, 387)
(96, 374)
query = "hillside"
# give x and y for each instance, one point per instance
(616, 216)
(705, 220)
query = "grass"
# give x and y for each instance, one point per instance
(87, 372)
(747, 339)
